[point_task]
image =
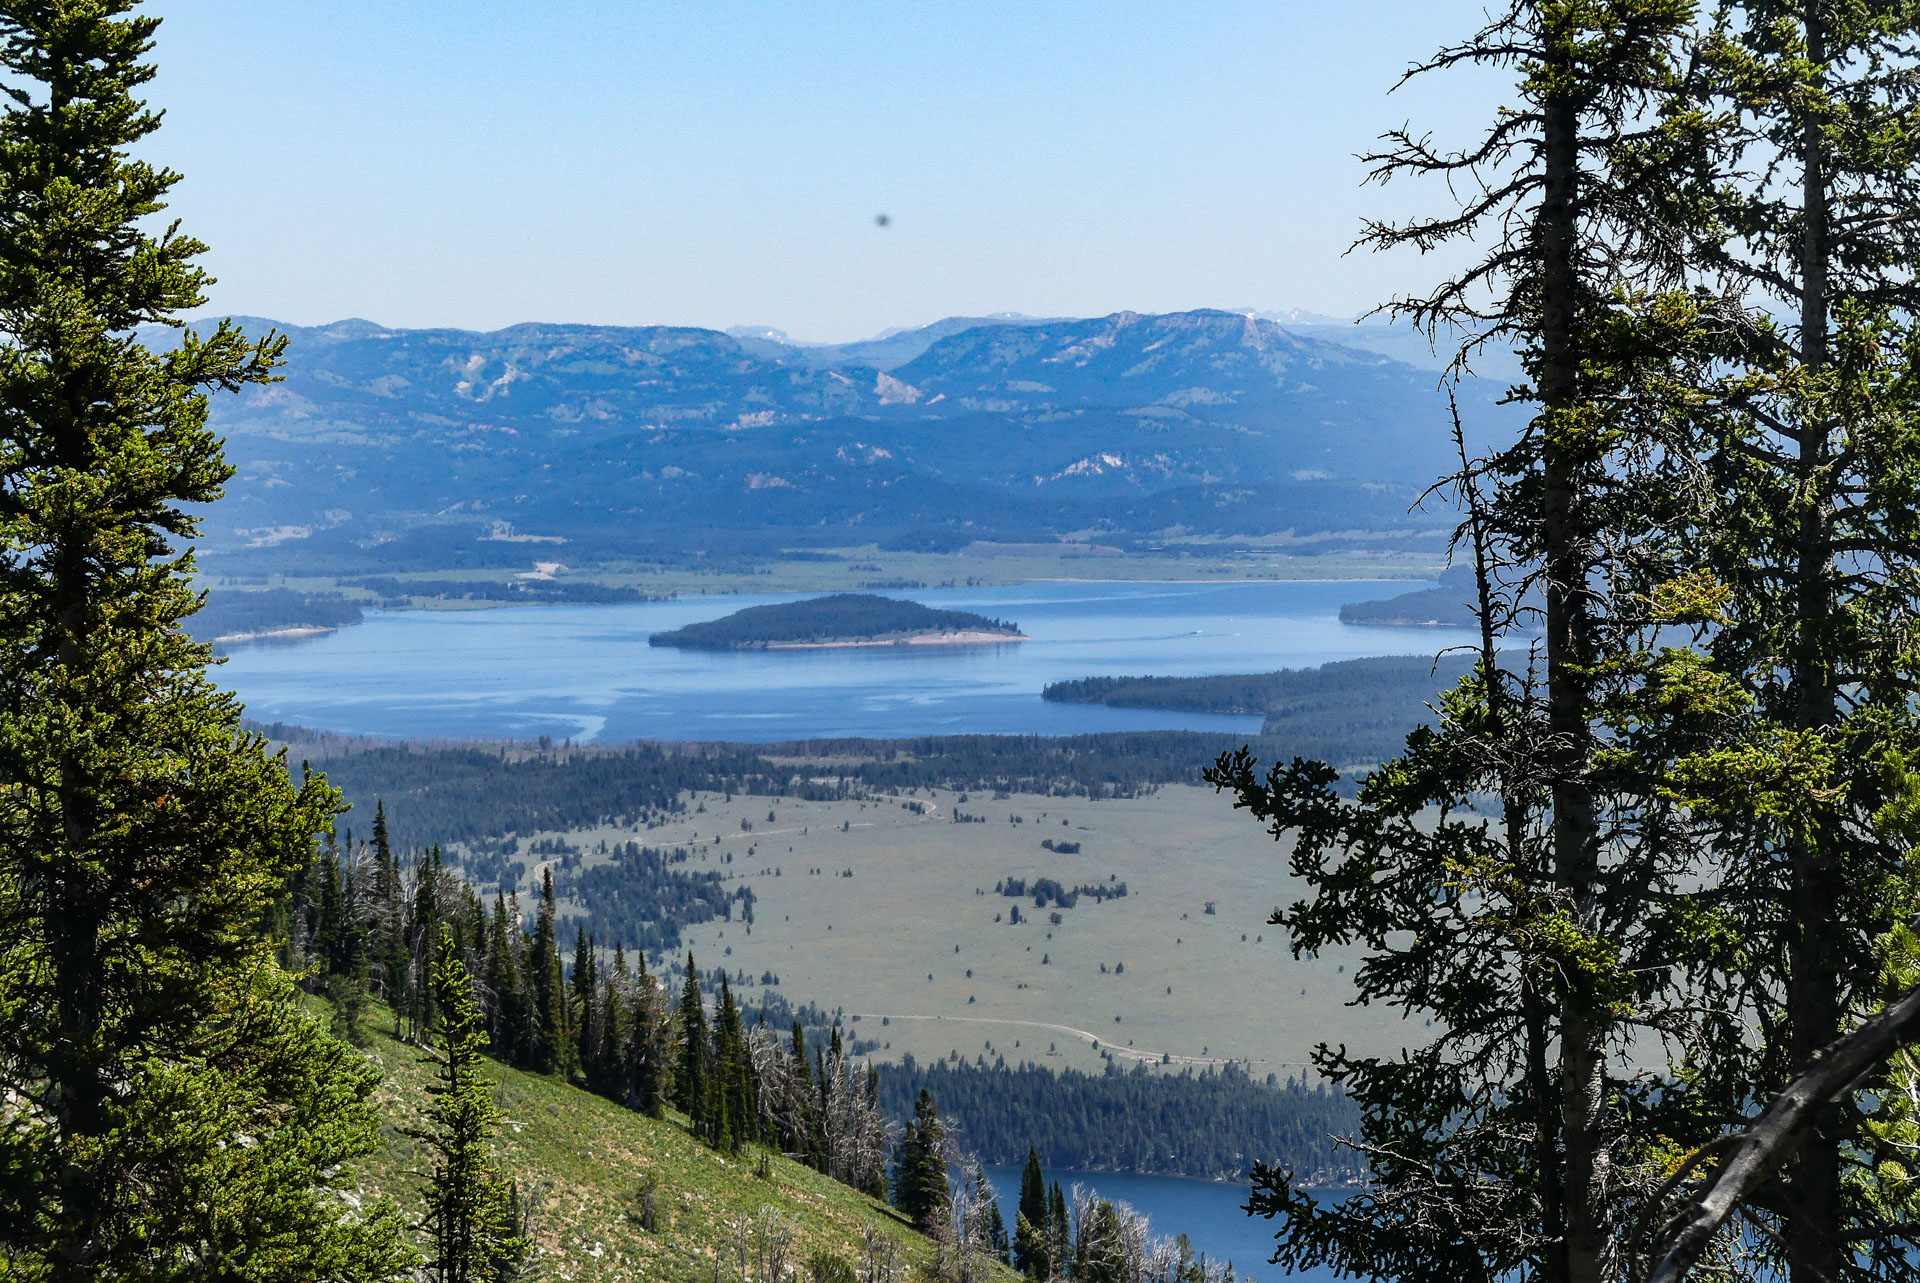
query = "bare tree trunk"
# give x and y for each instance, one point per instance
(1813, 1251)
(1568, 643)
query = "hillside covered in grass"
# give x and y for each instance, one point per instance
(587, 1163)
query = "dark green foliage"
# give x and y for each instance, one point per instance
(583, 1005)
(691, 1085)
(547, 1042)
(729, 1102)
(920, 1167)
(1357, 710)
(468, 1219)
(170, 1110)
(1059, 1228)
(800, 1131)
(1033, 1191)
(1048, 891)
(1214, 1124)
(839, 617)
(523, 591)
(825, 1267)
(650, 1052)
(643, 897)
(508, 1014)
(385, 925)
(471, 794)
(459, 794)
(605, 1064)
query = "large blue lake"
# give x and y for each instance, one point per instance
(587, 672)
(1207, 1212)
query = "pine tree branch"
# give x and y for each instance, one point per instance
(1765, 1144)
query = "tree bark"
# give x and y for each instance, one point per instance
(1568, 627)
(1813, 1008)
(1759, 1149)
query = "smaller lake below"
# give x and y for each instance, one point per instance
(587, 672)
(1210, 1213)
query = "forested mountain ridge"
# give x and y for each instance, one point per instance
(386, 448)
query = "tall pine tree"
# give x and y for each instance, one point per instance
(650, 1048)
(1032, 1253)
(690, 1083)
(1522, 873)
(169, 1103)
(547, 1005)
(467, 1219)
(920, 1187)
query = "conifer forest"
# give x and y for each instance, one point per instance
(1598, 850)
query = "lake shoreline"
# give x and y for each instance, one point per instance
(587, 672)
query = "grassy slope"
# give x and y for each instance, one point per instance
(586, 1155)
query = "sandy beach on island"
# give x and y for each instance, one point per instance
(967, 637)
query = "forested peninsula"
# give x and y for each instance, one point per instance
(842, 619)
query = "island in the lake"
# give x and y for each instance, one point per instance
(841, 620)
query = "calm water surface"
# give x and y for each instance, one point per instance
(1207, 1212)
(587, 671)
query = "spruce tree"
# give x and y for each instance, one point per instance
(583, 987)
(467, 1222)
(804, 1138)
(727, 1126)
(920, 1188)
(347, 984)
(503, 982)
(389, 940)
(1819, 555)
(995, 1223)
(649, 1048)
(169, 1104)
(1524, 873)
(607, 1070)
(1031, 1249)
(691, 1086)
(423, 932)
(1059, 1229)
(547, 1051)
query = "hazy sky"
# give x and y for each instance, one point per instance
(721, 162)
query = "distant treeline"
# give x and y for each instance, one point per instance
(1213, 1124)
(1108, 764)
(398, 592)
(1451, 605)
(1353, 711)
(229, 612)
(1346, 714)
(466, 793)
(838, 617)
(459, 794)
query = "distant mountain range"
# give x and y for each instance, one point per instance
(389, 449)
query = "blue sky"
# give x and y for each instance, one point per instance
(719, 163)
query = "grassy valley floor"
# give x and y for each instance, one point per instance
(1197, 986)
